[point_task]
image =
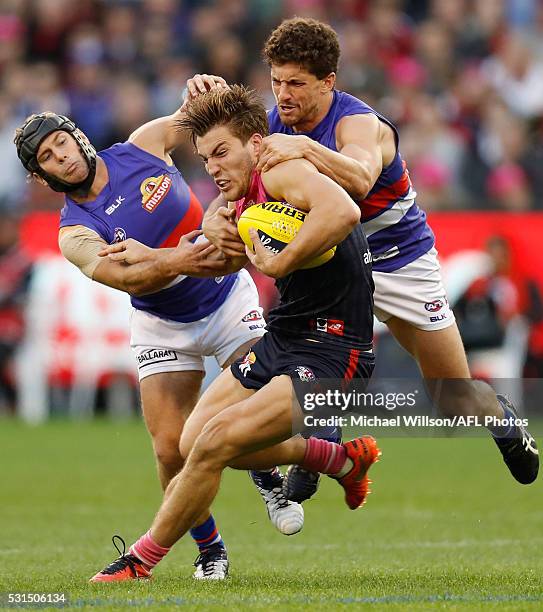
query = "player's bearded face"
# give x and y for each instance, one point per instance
(228, 161)
(299, 95)
(59, 155)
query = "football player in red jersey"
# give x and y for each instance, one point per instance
(245, 419)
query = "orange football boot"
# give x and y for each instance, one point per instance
(126, 567)
(363, 452)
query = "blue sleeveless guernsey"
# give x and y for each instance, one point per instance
(148, 200)
(395, 226)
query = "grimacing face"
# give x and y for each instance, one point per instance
(228, 161)
(59, 156)
(300, 95)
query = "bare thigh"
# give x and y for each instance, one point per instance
(439, 353)
(224, 391)
(255, 432)
(239, 352)
(442, 361)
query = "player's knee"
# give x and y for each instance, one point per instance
(213, 444)
(186, 442)
(191, 431)
(167, 453)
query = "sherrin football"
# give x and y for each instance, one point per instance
(277, 224)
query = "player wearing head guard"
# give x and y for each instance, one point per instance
(29, 138)
(131, 191)
(358, 148)
(247, 412)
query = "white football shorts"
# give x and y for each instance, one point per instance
(162, 345)
(414, 293)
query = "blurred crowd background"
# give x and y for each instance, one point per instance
(462, 79)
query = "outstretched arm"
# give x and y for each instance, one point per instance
(200, 259)
(355, 166)
(161, 136)
(135, 268)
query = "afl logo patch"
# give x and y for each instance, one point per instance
(119, 234)
(434, 306)
(251, 316)
(153, 190)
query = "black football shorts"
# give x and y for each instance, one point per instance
(302, 360)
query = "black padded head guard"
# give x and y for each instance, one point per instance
(32, 133)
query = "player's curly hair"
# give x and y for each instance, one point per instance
(305, 41)
(239, 108)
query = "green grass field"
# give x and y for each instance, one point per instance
(446, 528)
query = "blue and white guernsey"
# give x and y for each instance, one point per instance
(395, 226)
(148, 200)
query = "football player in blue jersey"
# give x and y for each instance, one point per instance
(133, 190)
(358, 148)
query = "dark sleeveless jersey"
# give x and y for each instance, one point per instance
(330, 303)
(395, 226)
(148, 200)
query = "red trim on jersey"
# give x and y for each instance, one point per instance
(385, 197)
(353, 362)
(191, 220)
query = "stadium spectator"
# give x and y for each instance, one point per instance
(435, 152)
(15, 271)
(12, 177)
(358, 71)
(467, 53)
(490, 302)
(533, 366)
(508, 185)
(517, 75)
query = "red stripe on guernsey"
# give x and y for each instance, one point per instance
(191, 220)
(353, 362)
(210, 538)
(385, 197)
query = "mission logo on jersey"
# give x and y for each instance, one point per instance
(153, 190)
